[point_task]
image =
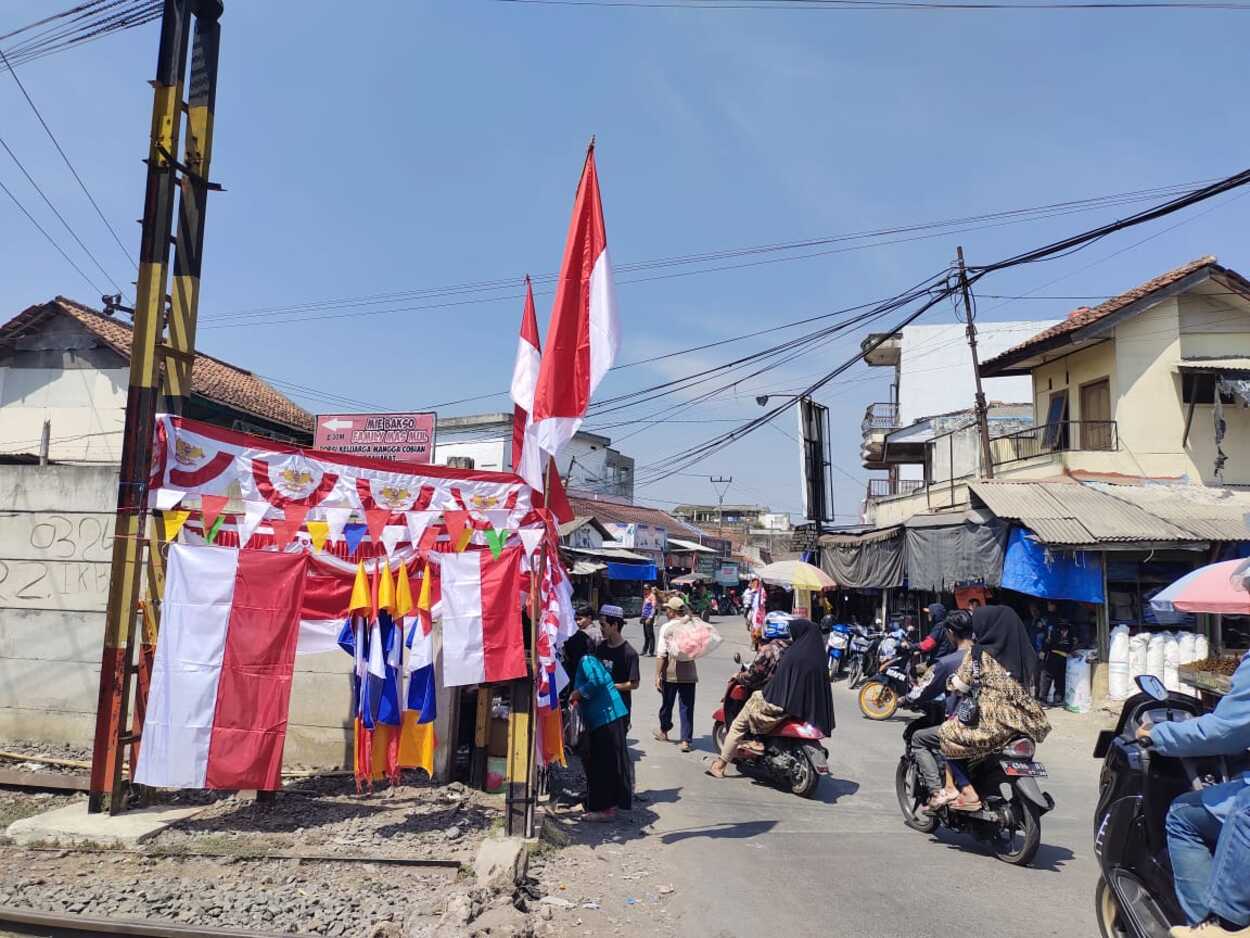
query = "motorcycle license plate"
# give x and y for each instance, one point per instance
(897, 674)
(1030, 769)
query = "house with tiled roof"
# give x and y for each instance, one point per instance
(1152, 384)
(68, 365)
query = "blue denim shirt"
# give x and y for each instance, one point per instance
(1224, 731)
(601, 701)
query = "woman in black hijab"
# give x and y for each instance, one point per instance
(1005, 666)
(799, 689)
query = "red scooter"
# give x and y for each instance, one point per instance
(790, 756)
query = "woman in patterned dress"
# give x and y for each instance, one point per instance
(1008, 665)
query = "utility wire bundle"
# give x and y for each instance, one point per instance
(76, 26)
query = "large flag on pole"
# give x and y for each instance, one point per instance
(583, 336)
(527, 456)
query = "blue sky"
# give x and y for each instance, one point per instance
(406, 147)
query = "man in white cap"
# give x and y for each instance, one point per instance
(618, 655)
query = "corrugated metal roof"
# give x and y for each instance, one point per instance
(1076, 514)
(1208, 513)
(1241, 363)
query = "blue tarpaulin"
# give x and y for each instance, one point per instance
(1029, 567)
(631, 571)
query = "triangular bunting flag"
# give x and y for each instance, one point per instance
(391, 535)
(498, 518)
(376, 519)
(495, 540)
(429, 537)
(211, 507)
(289, 526)
(418, 521)
(361, 600)
(174, 520)
(317, 532)
(530, 539)
(403, 592)
(458, 522)
(168, 499)
(336, 520)
(253, 515)
(353, 534)
(212, 532)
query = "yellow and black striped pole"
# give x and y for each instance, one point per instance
(129, 543)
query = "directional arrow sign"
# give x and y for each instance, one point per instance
(402, 437)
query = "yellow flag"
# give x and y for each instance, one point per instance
(361, 600)
(465, 537)
(318, 531)
(403, 592)
(386, 587)
(423, 600)
(174, 520)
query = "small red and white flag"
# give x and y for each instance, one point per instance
(221, 679)
(583, 336)
(480, 609)
(527, 461)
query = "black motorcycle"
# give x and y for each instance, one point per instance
(862, 656)
(881, 694)
(1012, 801)
(1135, 896)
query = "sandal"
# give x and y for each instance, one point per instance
(685, 745)
(940, 799)
(959, 804)
(716, 769)
(661, 736)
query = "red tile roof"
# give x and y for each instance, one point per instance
(1083, 316)
(211, 378)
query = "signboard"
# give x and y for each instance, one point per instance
(727, 573)
(706, 566)
(814, 460)
(402, 437)
(639, 536)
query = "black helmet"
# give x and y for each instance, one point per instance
(959, 621)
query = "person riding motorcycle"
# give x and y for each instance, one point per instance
(774, 641)
(937, 644)
(1209, 830)
(799, 689)
(926, 744)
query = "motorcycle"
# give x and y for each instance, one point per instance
(1135, 896)
(791, 756)
(1012, 801)
(881, 694)
(839, 639)
(862, 660)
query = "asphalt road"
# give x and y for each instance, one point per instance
(754, 860)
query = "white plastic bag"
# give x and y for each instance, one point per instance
(1137, 657)
(1171, 661)
(1202, 648)
(1189, 642)
(1119, 686)
(1077, 695)
(1155, 653)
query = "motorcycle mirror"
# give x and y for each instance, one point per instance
(737, 658)
(1152, 686)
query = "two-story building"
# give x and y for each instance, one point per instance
(1132, 469)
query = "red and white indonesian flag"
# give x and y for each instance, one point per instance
(221, 680)
(583, 336)
(480, 610)
(527, 455)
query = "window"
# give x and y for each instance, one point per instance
(1055, 436)
(1095, 426)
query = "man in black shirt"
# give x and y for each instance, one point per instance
(618, 655)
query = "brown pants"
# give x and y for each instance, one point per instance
(757, 716)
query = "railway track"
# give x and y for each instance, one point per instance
(58, 924)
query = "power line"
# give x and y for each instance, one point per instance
(51, 136)
(72, 233)
(51, 240)
(80, 25)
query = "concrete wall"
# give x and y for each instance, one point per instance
(56, 525)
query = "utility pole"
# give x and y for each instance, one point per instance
(130, 544)
(982, 409)
(718, 481)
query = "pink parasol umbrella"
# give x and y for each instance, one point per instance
(1218, 587)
